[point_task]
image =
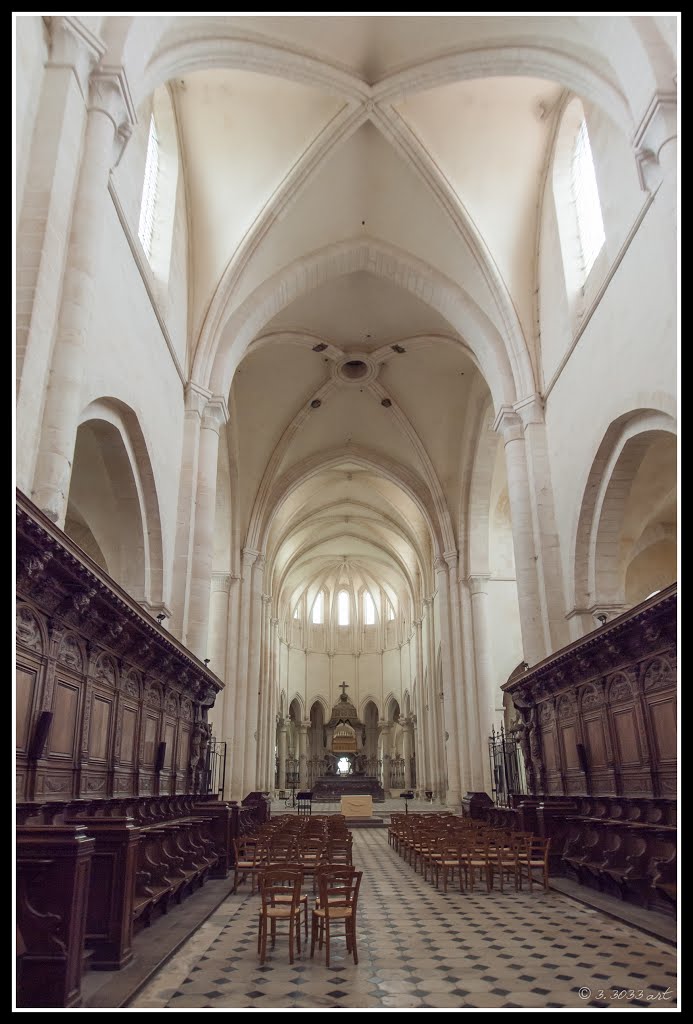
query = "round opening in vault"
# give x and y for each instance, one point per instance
(354, 369)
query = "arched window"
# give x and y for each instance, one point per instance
(368, 610)
(297, 614)
(149, 190)
(586, 197)
(318, 610)
(578, 210)
(390, 612)
(342, 608)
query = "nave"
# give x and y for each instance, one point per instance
(420, 948)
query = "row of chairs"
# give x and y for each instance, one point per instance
(445, 846)
(284, 843)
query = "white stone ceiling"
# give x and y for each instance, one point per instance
(280, 166)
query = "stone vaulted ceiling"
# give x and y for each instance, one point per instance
(327, 231)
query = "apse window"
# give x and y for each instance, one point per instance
(390, 612)
(586, 197)
(296, 613)
(149, 191)
(342, 608)
(318, 610)
(368, 610)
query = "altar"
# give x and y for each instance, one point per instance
(332, 788)
(357, 806)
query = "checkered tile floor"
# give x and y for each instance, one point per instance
(421, 949)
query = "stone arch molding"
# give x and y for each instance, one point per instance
(597, 577)
(125, 421)
(442, 536)
(156, 49)
(220, 351)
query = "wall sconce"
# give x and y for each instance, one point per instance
(601, 618)
(160, 618)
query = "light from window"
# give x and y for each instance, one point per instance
(586, 196)
(390, 612)
(318, 610)
(296, 615)
(368, 610)
(149, 190)
(342, 608)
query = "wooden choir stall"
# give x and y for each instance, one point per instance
(114, 822)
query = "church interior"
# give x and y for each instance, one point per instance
(346, 541)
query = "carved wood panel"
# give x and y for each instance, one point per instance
(613, 692)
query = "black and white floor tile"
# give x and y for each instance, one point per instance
(419, 948)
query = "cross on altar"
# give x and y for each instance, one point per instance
(344, 687)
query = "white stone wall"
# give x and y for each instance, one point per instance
(31, 52)
(611, 370)
(127, 359)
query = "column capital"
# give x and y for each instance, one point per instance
(215, 413)
(478, 583)
(274, 622)
(657, 127)
(109, 92)
(303, 727)
(385, 726)
(196, 398)
(221, 582)
(73, 45)
(439, 565)
(249, 557)
(509, 424)
(530, 409)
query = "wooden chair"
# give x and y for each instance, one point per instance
(280, 890)
(535, 855)
(249, 859)
(339, 851)
(476, 856)
(508, 853)
(338, 890)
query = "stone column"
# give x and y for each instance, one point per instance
(302, 754)
(241, 725)
(264, 725)
(109, 122)
(434, 704)
(51, 155)
(407, 730)
(478, 586)
(230, 722)
(546, 539)
(219, 617)
(450, 718)
(423, 765)
(215, 414)
(384, 737)
(253, 677)
(196, 399)
(281, 752)
(535, 641)
(475, 739)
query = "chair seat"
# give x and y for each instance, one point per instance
(278, 911)
(335, 912)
